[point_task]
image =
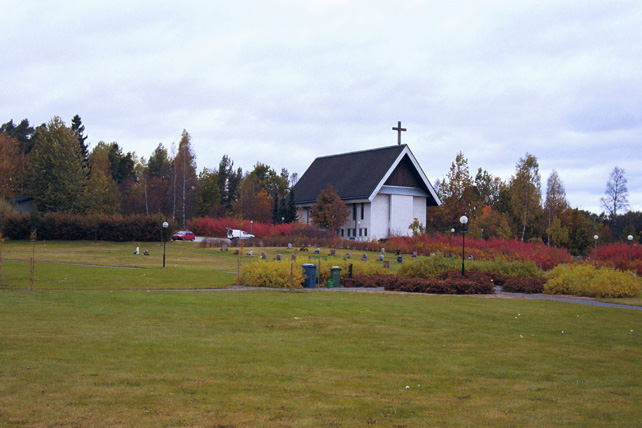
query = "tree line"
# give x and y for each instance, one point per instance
(53, 164)
(520, 208)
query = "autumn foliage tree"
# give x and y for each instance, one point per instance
(329, 211)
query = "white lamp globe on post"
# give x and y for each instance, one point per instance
(452, 237)
(596, 238)
(463, 220)
(630, 238)
(165, 226)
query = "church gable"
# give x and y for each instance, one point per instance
(404, 175)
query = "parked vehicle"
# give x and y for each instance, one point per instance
(184, 235)
(236, 235)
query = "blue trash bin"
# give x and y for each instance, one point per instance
(309, 275)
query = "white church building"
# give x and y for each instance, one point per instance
(385, 189)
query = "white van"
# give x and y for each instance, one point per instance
(237, 234)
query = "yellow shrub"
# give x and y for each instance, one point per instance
(358, 267)
(586, 280)
(273, 274)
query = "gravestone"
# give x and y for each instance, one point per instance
(224, 247)
(278, 257)
(364, 258)
(289, 246)
(386, 264)
(250, 253)
(380, 257)
(348, 255)
(383, 251)
(317, 251)
(414, 254)
(263, 256)
(333, 252)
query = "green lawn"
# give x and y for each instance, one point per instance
(272, 358)
(106, 345)
(109, 265)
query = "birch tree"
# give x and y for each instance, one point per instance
(616, 195)
(526, 192)
(555, 202)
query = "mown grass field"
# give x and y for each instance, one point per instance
(108, 265)
(102, 355)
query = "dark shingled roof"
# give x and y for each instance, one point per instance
(353, 175)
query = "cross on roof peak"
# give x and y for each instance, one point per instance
(399, 129)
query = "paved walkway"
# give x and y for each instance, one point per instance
(568, 299)
(498, 294)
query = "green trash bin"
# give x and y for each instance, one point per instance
(329, 283)
(335, 275)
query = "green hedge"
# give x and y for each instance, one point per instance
(74, 227)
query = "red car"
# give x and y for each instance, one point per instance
(184, 235)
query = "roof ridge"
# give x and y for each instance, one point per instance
(362, 151)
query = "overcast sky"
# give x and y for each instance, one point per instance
(283, 82)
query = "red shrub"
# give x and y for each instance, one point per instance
(617, 256)
(544, 256)
(516, 284)
(450, 283)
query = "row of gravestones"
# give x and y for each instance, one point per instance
(364, 257)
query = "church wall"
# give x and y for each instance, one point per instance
(379, 221)
(419, 209)
(401, 214)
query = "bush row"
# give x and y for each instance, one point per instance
(586, 280)
(621, 256)
(433, 266)
(545, 257)
(450, 282)
(74, 227)
(358, 268)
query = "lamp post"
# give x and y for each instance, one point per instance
(596, 238)
(630, 238)
(165, 225)
(452, 237)
(463, 220)
(251, 227)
